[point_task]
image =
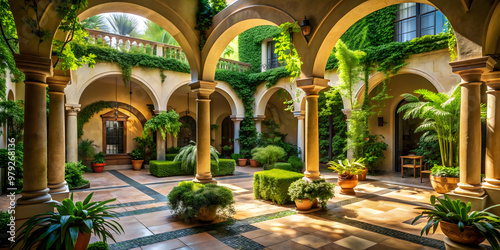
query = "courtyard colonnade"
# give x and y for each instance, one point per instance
(476, 24)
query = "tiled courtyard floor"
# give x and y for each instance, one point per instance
(378, 217)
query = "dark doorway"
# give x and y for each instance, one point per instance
(406, 139)
(187, 132)
(227, 134)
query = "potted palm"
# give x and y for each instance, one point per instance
(444, 179)
(305, 193)
(202, 201)
(137, 158)
(459, 223)
(347, 171)
(71, 226)
(98, 163)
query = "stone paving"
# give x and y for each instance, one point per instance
(378, 217)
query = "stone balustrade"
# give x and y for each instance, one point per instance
(127, 43)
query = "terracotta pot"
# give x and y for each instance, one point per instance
(137, 164)
(444, 185)
(98, 167)
(82, 241)
(303, 204)
(207, 214)
(242, 162)
(347, 185)
(362, 176)
(254, 163)
(470, 235)
(315, 203)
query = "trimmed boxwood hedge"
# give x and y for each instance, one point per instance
(170, 157)
(273, 185)
(173, 168)
(284, 166)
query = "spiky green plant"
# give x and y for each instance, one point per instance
(187, 155)
(166, 122)
(441, 113)
(60, 230)
(96, 22)
(122, 24)
(155, 32)
(457, 212)
(347, 169)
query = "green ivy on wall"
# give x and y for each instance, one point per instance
(88, 112)
(127, 60)
(330, 103)
(250, 44)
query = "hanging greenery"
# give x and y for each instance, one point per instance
(166, 122)
(286, 51)
(88, 112)
(452, 41)
(207, 9)
(250, 45)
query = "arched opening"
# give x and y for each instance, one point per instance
(227, 137)
(405, 138)
(187, 132)
(10, 95)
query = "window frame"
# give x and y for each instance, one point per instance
(418, 20)
(110, 116)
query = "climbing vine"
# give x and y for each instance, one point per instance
(452, 41)
(88, 112)
(207, 9)
(286, 51)
(250, 45)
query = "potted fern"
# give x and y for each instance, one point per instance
(137, 158)
(187, 156)
(347, 171)
(71, 226)
(459, 223)
(98, 163)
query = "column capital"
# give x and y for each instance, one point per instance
(58, 83)
(72, 109)
(312, 85)
(471, 70)
(35, 68)
(203, 88)
(492, 79)
(300, 115)
(236, 119)
(259, 117)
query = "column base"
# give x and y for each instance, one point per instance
(59, 192)
(478, 203)
(204, 180)
(311, 178)
(469, 190)
(493, 183)
(26, 211)
(34, 197)
(451, 245)
(493, 194)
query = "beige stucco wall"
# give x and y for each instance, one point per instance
(275, 109)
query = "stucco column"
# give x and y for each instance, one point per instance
(36, 70)
(72, 132)
(258, 122)
(300, 131)
(56, 162)
(470, 71)
(236, 144)
(312, 86)
(203, 89)
(160, 142)
(492, 164)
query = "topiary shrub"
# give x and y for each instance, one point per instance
(173, 168)
(268, 155)
(170, 157)
(273, 185)
(98, 246)
(74, 174)
(226, 167)
(296, 163)
(288, 167)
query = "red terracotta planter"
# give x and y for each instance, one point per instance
(98, 167)
(242, 162)
(254, 163)
(82, 241)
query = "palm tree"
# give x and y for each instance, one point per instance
(188, 154)
(122, 24)
(441, 114)
(156, 33)
(94, 22)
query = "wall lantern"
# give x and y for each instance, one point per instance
(305, 27)
(381, 121)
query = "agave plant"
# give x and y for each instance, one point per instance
(60, 230)
(187, 155)
(457, 212)
(347, 168)
(441, 113)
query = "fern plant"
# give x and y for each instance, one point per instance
(187, 155)
(441, 113)
(166, 122)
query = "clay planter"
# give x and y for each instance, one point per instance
(254, 163)
(362, 176)
(207, 214)
(347, 185)
(82, 241)
(444, 185)
(137, 164)
(242, 162)
(303, 204)
(98, 167)
(470, 235)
